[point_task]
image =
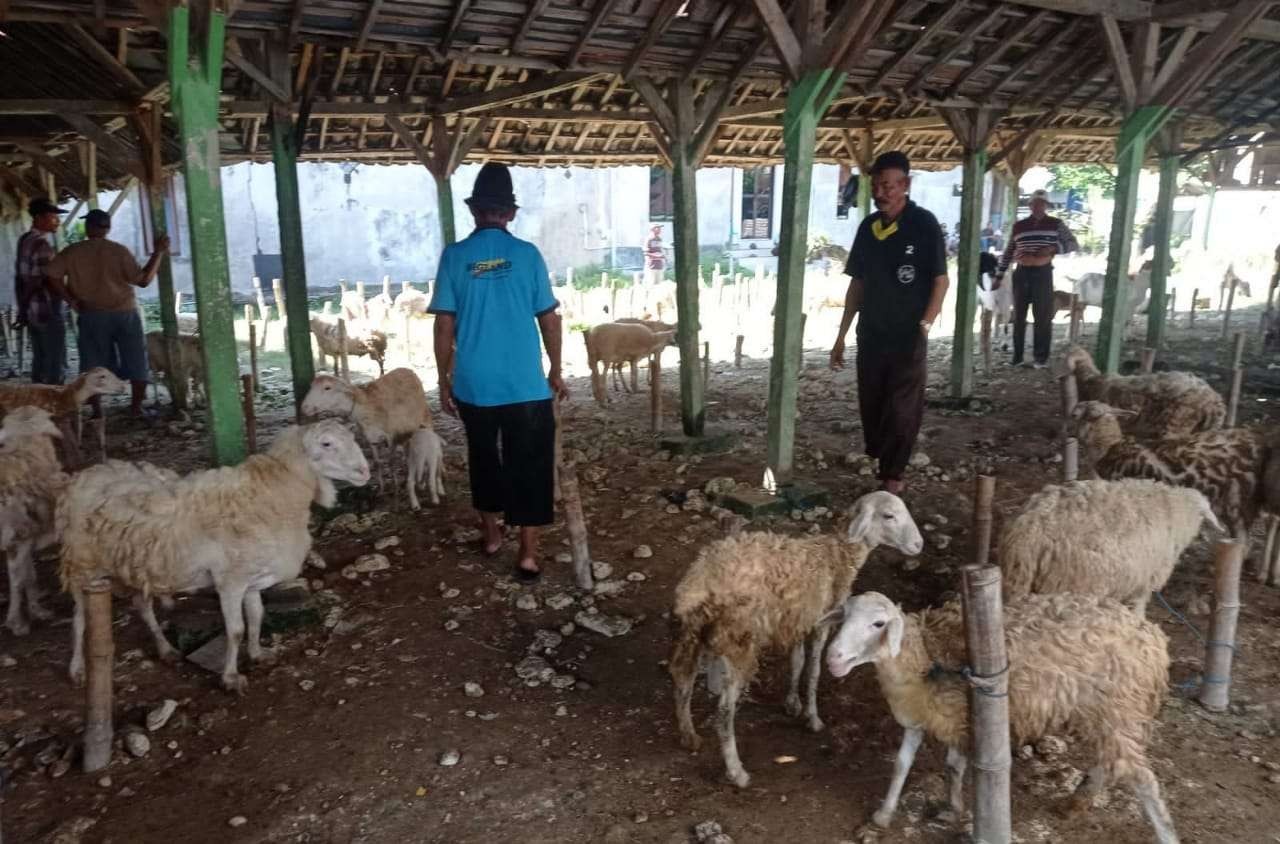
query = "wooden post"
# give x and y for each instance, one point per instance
(1131, 149)
(655, 391)
(800, 363)
(986, 342)
(984, 494)
(261, 299)
(1070, 460)
(1226, 315)
(1215, 687)
(975, 168)
(277, 290)
(253, 355)
(989, 703)
(195, 76)
(1191, 314)
(1073, 328)
(100, 663)
(444, 204)
(1237, 380)
(684, 171)
(576, 524)
(1265, 563)
(1272, 561)
(737, 352)
(1070, 394)
(1148, 359)
(342, 348)
(706, 364)
(250, 416)
(1162, 260)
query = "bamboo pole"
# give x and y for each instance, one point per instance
(1070, 460)
(1073, 328)
(1148, 359)
(1265, 564)
(706, 363)
(253, 343)
(261, 298)
(737, 352)
(577, 525)
(655, 391)
(100, 649)
(1272, 562)
(989, 703)
(986, 342)
(277, 290)
(1237, 379)
(1226, 315)
(1191, 314)
(1215, 688)
(558, 493)
(984, 494)
(342, 348)
(1070, 394)
(250, 416)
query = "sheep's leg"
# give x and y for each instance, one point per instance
(1095, 779)
(724, 726)
(911, 739)
(435, 477)
(232, 601)
(253, 628)
(1140, 604)
(684, 669)
(1147, 788)
(956, 764)
(817, 641)
(793, 706)
(76, 669)
(412, 468)
(15, 620)
(101, 424)
(635, 376)
(146, 610)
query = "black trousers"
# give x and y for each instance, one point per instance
(511, 460)
(1033, 286)
(891, 402)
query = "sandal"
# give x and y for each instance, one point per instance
(526, 575)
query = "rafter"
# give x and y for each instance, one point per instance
(781, 36)
(1203, 59)
(986, 58)
(517, 41)
(599, 12)
(1120, 64)
(662, 18)
(938, 24)
(731, 14)
(980, 22)
(539, 86)
(460, 8)
(366, 28)
(1039, 53)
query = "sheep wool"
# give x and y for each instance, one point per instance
(1166, 403)
(1117, 539)
(615, 343)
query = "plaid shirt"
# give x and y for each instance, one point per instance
(36, 304)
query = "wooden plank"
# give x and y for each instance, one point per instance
(599, 12)
(781, 36)
(986, 58)
(539, 86)
(1124, 10)
(526, 23)
(939, 23)
(249, 69)
(1120, 64)
(366, 28)
(26, 107)
(102, 56)
(460, 8)
(653, 98)
(1145, 54)
(115, 149)
(1203, 59)
(663, 17)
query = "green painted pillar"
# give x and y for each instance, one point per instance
(684, 174)
(799, 133)
(1131, 151)
(1208, 217)
(864, 196)
(975, 168)
(164, 286)
(195, 79)
(284, 155)
(444, 203)
(1162, 261)
(1011, 211)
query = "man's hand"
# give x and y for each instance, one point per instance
(447, 403)
(558, 388)
(837, 354)
(162, 244)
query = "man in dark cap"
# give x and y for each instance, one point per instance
(37, 307)
(898, 269)
(493, 297)
(100, 276)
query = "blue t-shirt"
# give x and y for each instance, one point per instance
(495, 284)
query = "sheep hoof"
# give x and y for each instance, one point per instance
(882, 819)
(38, 612)
(18, 626)
(235, 683)
(170, 655)
(267, 656)
(740, 778)
(76, 673)
(691, 742)
(816, 725)
(793, 707)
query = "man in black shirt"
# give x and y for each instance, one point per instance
(898, 270)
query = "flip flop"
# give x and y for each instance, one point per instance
(525, 575)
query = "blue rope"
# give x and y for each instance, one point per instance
(1192, 685)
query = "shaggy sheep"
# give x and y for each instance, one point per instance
(31, 479)
(1227, 465)
(1114, 539)
(190, 359)
(426, 464)
(361, 340)
(754, 591)
(1167, 403)
(388, 411)
(612, 343)
(64, 402)
(1060, 647)
(240, 530)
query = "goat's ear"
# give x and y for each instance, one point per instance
(893, 634)
(1125, 414)
(833, 616)
(860, 524)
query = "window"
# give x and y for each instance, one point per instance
(757, 203)
(661, 194)
(846, 193)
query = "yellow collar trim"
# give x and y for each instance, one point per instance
(881, 231)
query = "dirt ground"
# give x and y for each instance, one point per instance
(342, 739)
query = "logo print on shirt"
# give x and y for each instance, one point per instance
(480, 268)
(906, 273)
(911, 249)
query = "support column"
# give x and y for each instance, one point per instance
(1162, 260)
(864, 194)
(196, 78)
(975, 168)
(684, 174)
(444, 204)
(799, 133)
(1131, 150)
(284, 155)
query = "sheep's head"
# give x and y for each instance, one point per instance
(101, 381)
(881, 518)
(26, 421)
(1076, 359)
(328, 395)
(871, 628)
(332, 451)
(1095, 423)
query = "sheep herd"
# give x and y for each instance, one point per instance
(1079, 560)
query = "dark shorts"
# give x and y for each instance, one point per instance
(113, 339)
(511, 460)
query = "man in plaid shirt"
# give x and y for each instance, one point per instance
(38, 308)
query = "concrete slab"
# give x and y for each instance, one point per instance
(803, 495)
(711, 442)
(754, 503)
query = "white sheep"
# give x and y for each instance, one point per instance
(1078, 663)
(657, 327)
(1166, 403)
(411, 301)
(361, 340)
(388, 411)
(755, 591)
(426, 464)
(617, 343)
(63, 402)
(1116, 539)
(239, 529)
(190, 366)
(31, 479)
(378, 308)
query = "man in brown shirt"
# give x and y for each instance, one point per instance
(100, 276)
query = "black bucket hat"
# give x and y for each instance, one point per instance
(493, 188)
(41, 205)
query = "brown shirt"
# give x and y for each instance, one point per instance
(100, 273)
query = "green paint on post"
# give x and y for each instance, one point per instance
(684, 173)
(1162, 260)
(444, 203)
(284, 155)
(1131, 150)
(168, 312)
(799, 133)
(195, 80)
(975, 168)
(864, 196)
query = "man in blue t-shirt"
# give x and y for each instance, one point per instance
(492, 298)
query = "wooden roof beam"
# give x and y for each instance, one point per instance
(662, 18)
(1118, 52)
(526, 24)
(599, 12)
(1039, 53)
(985, 59)
(781, 36)
(460, 8)
(731, 13)
(981, 22)
(104, 57)
(32, 108)
(539, 86)
(366, 28)
(1203, 59)
(930, 31)
(242, 63)
(114, 149)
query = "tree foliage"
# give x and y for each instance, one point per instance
(1081, 177)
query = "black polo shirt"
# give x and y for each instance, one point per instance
(897, 264)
